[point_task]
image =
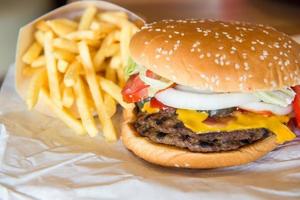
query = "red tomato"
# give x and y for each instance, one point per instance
(296, 107)
(154, 103)
(297, 89)
(135, 89)
(150, 74)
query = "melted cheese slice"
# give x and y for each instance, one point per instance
(194, 121)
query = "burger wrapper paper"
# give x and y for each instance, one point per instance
(43, 159)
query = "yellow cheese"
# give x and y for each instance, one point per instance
(148, 109)
(194, 121)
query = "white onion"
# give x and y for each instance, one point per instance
(196, 101)
(261, 106)
(190, 89)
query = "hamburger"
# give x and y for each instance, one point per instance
(210, 94)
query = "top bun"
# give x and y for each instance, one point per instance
(218, 56)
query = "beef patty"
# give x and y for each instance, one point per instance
(164, 127)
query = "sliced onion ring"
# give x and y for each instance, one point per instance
(196, 101)
(261, 106)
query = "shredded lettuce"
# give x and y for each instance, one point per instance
(282, 97)
(132, 68)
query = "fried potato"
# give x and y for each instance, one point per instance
(39, 62)
(78, 64)
(32, 53)
(68, 97)
(87, 18)
(52, 70)
(113, 90)
(62, 113)
(37, 81)
(66, 45)
(105, 120)
(62, 27)
(83, 108)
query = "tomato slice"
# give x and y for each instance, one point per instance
(154, 103)
(296, 89)
(150, 74)
(135, 89)
(296, 107)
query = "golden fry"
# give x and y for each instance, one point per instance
(42, 26)
(62, 27)
(87, 18)
(62, 66)
(68, 97)
(39, 62)
(108, 129)
(83, 108)
(32, 53)
(72, 73)
(110, 74)
(63, 114)
(115, 61)
(39, 36)
(113, 90)
(65, 45)
(84, 35)
(64, 55)
(37, 81)
(52, 70)
(110, 105)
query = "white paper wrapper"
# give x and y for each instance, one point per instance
(43, 159)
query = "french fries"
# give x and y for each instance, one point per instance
(37, 81)
(32, 53)
(78, 64)
(83, 108)
(62, 114)
(52, 70)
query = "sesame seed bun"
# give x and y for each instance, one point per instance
(219, 56)
(166, 155)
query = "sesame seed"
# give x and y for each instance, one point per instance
(220, 48)
(208, 54)
(176, 165)
(252, 48)
(201, 56)
(237, 66)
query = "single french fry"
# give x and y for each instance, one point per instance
(110, 105)
(72, 73)
(108, 129)
(100, 55)
(124, 44)
(102, 27)
(39, 62)
(115, 61)
(37, 81)
(117, 18)
(62, 27)
(39, 36)
(29, 71)
(62, 66)
(67, 97)
(52, 70)
(87, 18)
(110, 74)
(93, 43)
(121, 77)
(84, 35)
(62, 114)
(64, 55)
(113, 90)
(42, 26)
(83, 108)
(64, 44)
(32, 53)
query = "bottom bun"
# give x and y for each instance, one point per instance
(170, 156)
